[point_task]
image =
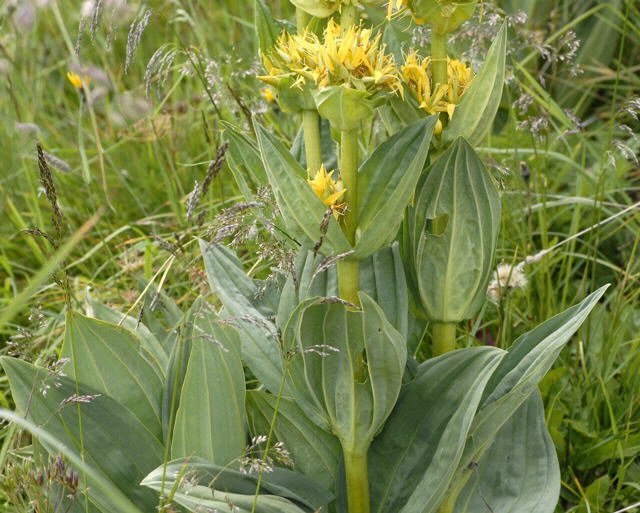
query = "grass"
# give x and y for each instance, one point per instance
(129, 164)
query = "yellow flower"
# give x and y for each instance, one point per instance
(328, 190)
(267, 94)
(417, 76)
(76, 81)
(351, 58)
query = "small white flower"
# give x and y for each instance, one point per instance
(506, 277)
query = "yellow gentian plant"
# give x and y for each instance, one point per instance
(371, 424)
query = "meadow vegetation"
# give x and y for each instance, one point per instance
(114, 133)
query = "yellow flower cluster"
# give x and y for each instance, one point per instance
(328, 190)
(351, 58)
(443, 98)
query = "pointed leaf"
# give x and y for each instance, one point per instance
(526, 363)
(237, 292)
(302, 210)
(387, 182)
(210, 421)
(474, 115)
(414, 458)
(518, 375)
(107, 358)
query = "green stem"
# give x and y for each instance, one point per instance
(438, 59)
(312, 145)
(355, 465)
(348, 280)
(448, 506)
(349, 175)
(348, 270)
(443, 337)
(302, 20)
(349, 16)
(460, 481)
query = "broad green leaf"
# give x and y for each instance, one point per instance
(210, 421)
(151, 346)
(246, 164)
(532, 354)
(116, 444)
(107, 358)
(382, 277)
(99, 483)
(302, 210)
(413, 460)
(454, 252)
(345, 108)
(387, 182)
(330, 378)
(315, 452)
(474, 115)
(260, 348)
(211, 485)
(520, 471)
(518, 375)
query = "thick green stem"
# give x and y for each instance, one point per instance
(355, 465)
(438, 59)
(348, 277)
(312, 145)
(302, 20)
(448, 506)
(349, 16)
(443, 337)
(348, 280)
(349, 175)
